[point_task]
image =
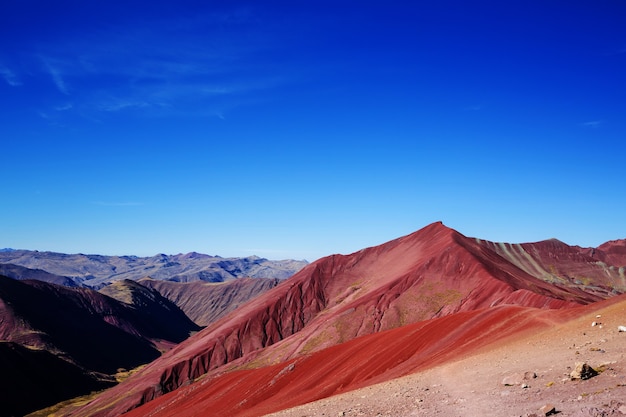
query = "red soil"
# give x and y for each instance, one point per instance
(360, 362)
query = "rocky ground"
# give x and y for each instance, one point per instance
(527, 376)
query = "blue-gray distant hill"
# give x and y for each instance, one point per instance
(96, 271)
(20, 273)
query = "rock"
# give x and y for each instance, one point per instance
(583, 371)
(518, 378)
(621, 328)
(547, 410)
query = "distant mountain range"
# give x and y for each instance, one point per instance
(96, 271)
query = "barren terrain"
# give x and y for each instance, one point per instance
(473, 385)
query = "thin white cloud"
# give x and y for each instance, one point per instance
(57, 79)
(9, 76)
(118, 105)
(593, 123)
(64, 107)
(122, 72)
(117, 203)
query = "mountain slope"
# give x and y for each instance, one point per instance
(158, 318)
(473, 384)
(357, 363)
(93, 330)
(431, 273)
(205, 302)
(84, 335)
(33, 379)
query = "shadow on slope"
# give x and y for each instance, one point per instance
(90, 328)
(157, 318)
(33, 379)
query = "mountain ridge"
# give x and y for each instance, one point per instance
(96, 271)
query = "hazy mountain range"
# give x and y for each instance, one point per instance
(95, 271)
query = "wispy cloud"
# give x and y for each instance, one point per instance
(116, 203)
(593, 123)
(175, 71)
(9, 76)
(64, 107)
(475, 107)
(57, 79)
(117, 105)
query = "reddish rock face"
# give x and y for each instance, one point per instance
(434, 273)
(612, 252)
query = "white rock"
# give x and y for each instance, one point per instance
(621, 328)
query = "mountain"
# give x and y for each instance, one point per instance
(206, 302)
(21, 273)
(426, 284)
(612, 253)
(97, 271)
(84, 335)
(158, 319)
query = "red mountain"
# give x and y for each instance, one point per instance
(435, 273)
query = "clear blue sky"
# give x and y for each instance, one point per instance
(300, 129)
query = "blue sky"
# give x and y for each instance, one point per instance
(301, 129)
